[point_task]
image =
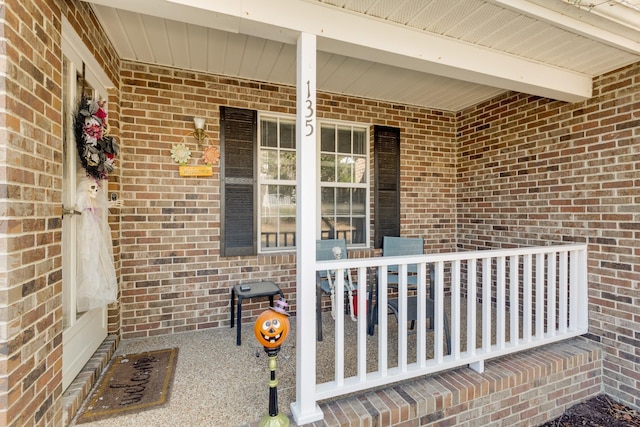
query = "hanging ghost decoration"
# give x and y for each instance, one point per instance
(97, 285)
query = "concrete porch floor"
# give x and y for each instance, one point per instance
(220, 384)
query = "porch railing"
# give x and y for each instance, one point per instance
(509, 300)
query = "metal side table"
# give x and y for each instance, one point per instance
(251, 290)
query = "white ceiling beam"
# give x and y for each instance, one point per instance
(580, 21)
(371, 39)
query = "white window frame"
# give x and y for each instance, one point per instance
(262, 181)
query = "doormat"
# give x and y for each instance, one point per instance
(132, 383)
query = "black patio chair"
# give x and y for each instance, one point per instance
(398, 246)
(329, 249)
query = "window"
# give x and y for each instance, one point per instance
(344, 183)
(277, 182)
(258, 183)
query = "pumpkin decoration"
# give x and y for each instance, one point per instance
(272, 326)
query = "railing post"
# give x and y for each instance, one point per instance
(574, 293)
(500, 302)
(551, 294)
(526, 298)
(583, 291)
(472, 299)
(539, 302)
(486, 304)
(514, 301)
(438, 312)
(455, 308)
(402, 316)
(563, 297)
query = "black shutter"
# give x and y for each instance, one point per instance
(386, 147)
(238, 132)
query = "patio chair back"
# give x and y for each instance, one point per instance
(330, 249)
(324, 248)
(398, 246)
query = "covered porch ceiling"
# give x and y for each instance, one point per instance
(442, 54)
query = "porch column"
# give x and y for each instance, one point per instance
(305, 409)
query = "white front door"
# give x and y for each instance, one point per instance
(83, 331)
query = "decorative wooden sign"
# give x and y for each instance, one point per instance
(196, 171)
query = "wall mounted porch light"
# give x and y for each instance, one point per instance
(199, 134)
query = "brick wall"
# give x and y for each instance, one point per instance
(535, 172)
(31, 169)
(31, 203)
(174, 279)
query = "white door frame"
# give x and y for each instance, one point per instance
(82, 332)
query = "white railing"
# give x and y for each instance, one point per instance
(538, 295)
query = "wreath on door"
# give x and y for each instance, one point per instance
(96, 148)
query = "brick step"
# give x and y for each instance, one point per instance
(82, 385)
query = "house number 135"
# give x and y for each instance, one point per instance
(310, 112)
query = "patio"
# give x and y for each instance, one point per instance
(220, 384)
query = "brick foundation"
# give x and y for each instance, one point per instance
(524, 389)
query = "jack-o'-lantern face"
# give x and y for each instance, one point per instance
(271, 328)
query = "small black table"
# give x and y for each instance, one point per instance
(255, 289)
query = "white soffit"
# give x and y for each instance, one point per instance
(404, 51)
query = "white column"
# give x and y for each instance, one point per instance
(305, 409)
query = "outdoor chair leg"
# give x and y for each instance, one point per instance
(353, 316)
(319, 313)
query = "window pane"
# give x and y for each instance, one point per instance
(327, 201)
(287, 200)
(360, 170)
(327, 230)
(358, 201)
(343, 201)
(344, 170)
(269, 133)
(288, 165)
(277, 232)
(269, 232)
(269, 196)
(344, 140)
(269, 164)
(278, 216)
(287, 135)
(287, 235)
(358, 231)
(359, 142)
(327, 168)
(343, 229)
(327, 139)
